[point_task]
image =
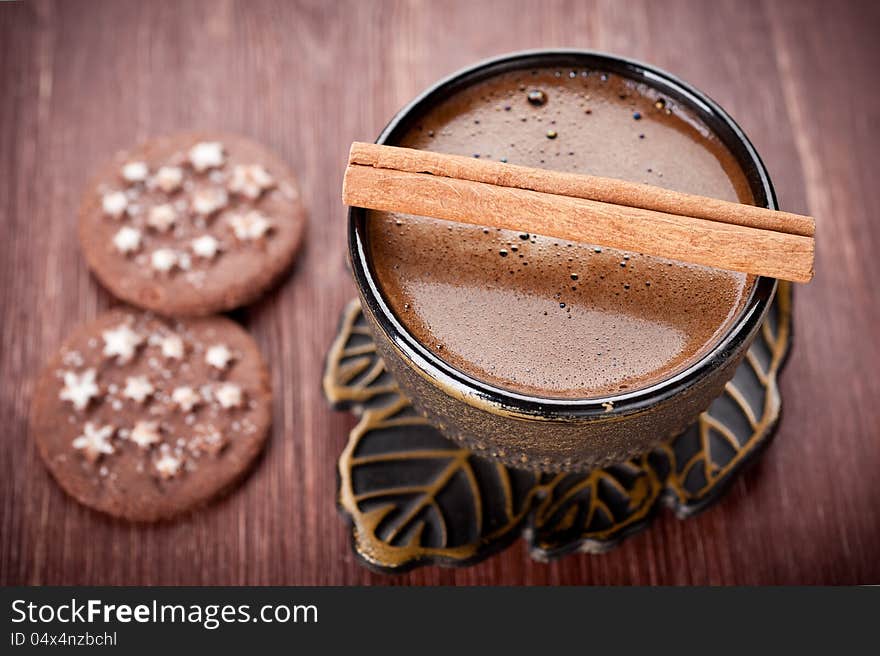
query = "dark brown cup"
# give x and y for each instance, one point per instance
(554, 434)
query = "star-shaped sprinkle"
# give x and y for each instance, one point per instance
(218, 356)
(169, 178)
(121, 342)
(138, 388)
(250, 226)
(205, 246)
(228, 395)
(167, 464)
(162, 217)
(127, 240)
(135, 172)
(79, 389)
(94, 442)
(250, 181)
(172, 347)
(145, 434)
(114, 204)
(208, 438)
(206, 155)
(164, 259)
(186, 398)
(208, 200)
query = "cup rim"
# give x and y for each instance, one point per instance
(497, 399)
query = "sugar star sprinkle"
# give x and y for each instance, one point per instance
(162, 217)
(127, 240)
(228, 395)
(208, 439)
(250, 181)
(218, 356)
(135, 172)
(205, 246)
(138, 388)
(114, 204)
(168, 465)
(164, 259)
(121, 342)
(186, 398)
(206, 155)
(94, 442)
(145, 434)
(172, 347)
(210, 200)
(79, 389)
(250, 226)
(169, 178)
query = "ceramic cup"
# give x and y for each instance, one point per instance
(554, 434)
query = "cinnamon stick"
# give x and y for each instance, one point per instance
(576, 185)
(495, 198)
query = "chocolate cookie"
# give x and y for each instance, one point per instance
(144, 418)
(192, 224)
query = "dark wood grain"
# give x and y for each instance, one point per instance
(80, 80)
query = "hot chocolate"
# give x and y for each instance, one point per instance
(538, 315)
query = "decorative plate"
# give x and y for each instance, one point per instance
(415, 498)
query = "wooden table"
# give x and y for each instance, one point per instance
(81, 80)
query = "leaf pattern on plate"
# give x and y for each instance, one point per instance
(354, 372)
(413, 497)
(592, 511)
(700, 462)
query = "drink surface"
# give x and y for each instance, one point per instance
(539, 315)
